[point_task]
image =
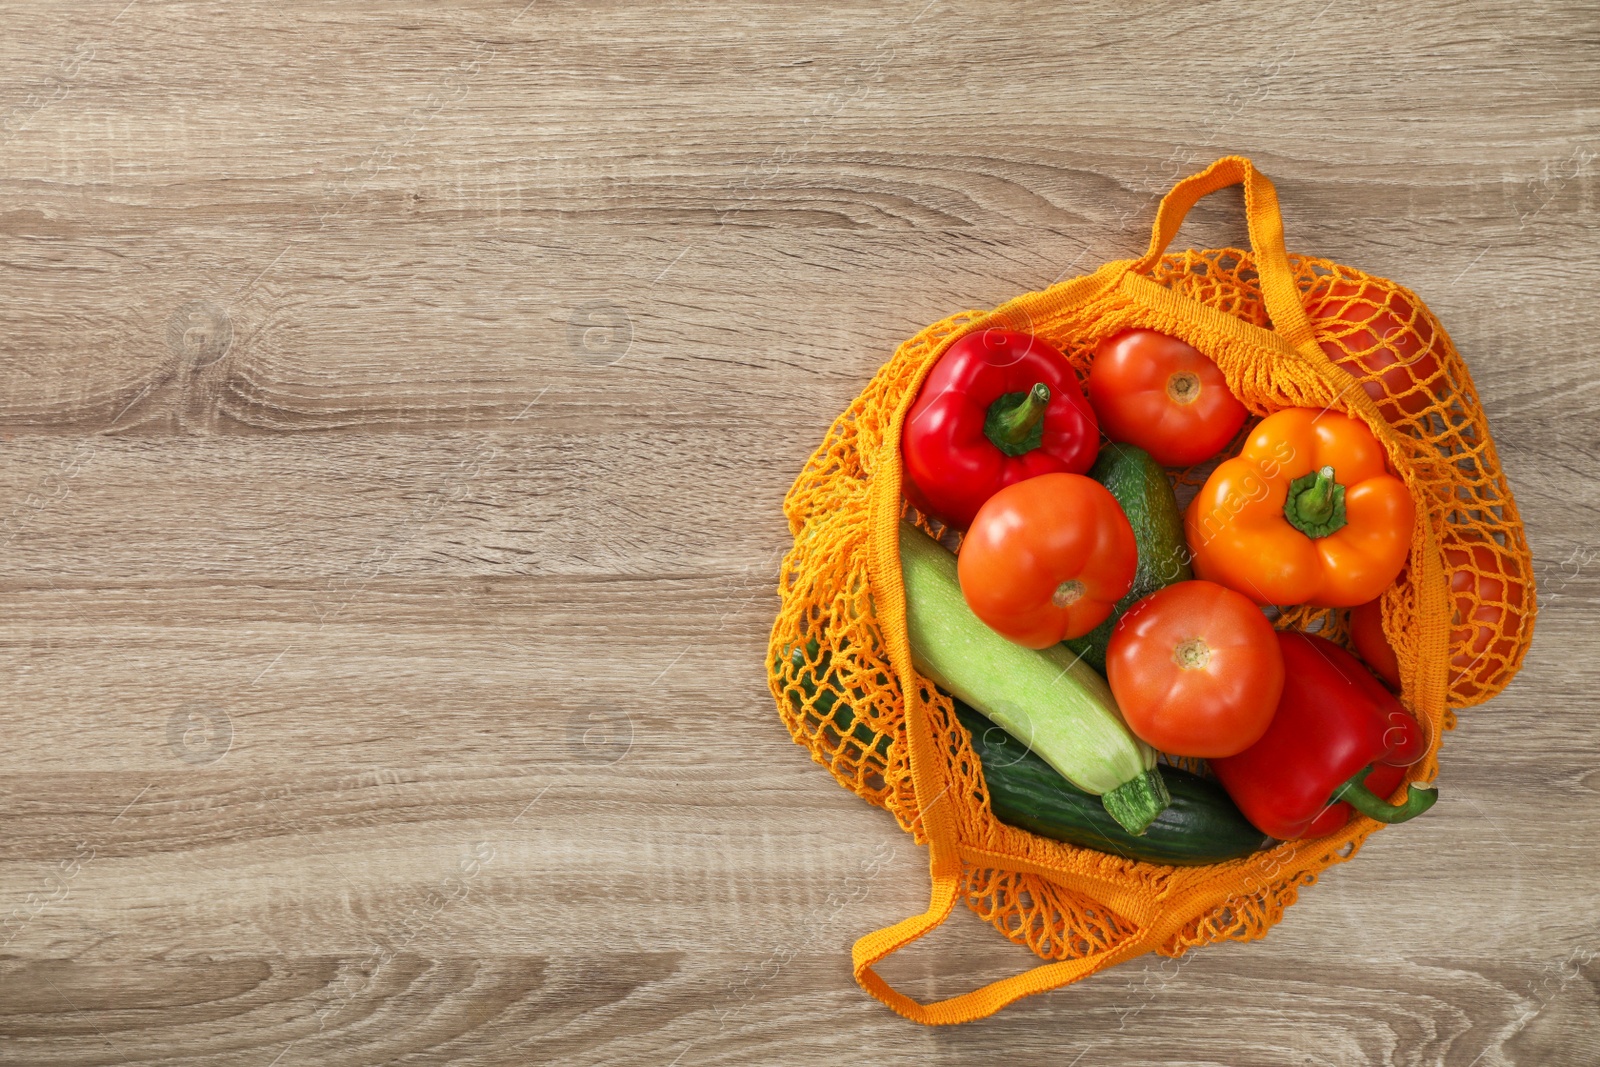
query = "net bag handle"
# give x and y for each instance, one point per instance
(945, 858)
(945, 851)
(1265, 223)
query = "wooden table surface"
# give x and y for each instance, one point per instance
(396, 405)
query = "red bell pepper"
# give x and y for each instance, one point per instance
(1338, 740)
(999, 407)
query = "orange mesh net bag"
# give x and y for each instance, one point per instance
(1286, 331)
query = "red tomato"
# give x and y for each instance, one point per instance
(1164, 396)
(1366, 633)
(1047, 559)
(1196, 669)
(1482, 637)
(1379, 336)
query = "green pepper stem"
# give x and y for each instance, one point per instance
(1315, 503)
(1358, 796)
(1012, 426)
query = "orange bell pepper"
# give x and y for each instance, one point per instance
(1307, 513)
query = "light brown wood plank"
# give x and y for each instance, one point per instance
(397, 402)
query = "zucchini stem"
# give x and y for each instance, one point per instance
(1136, 802)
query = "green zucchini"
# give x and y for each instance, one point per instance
(1050, 697)
(1200, 826)
(1140, 485)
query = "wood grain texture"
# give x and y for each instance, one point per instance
(397, 401)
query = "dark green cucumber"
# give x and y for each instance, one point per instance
(1141, 487)
(824, 699)
(1200, 826)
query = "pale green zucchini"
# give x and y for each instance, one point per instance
(1049, 700)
